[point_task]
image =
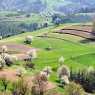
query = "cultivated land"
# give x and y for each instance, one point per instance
(78, 55)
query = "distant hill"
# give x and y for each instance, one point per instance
(22, 5)
(37, 6)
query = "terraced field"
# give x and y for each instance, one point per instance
(77, 55)
(83, 31)
(87, 28)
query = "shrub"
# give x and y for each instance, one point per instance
(4, 49)
(4, 82)
(2, 62)
(90, 69)
(29, 65)
(63, 71)
(63, 74)
(8, 59)
(20, 71)
(64, 80)
(46, 71)
(28, 39)
(61, 60)
(20, 87)
(32, 54)
(73, 89)
(14, 58)
(55, 69)
(49, 48)
(39, 85)
(85, 78)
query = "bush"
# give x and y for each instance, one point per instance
(20, 71)
(4, 82)
(4, 49)
(2, 63)
(63, 71)
(61, 60)
(20, 87)
(46, 71)
(8, 59)
(49, 48)
(14, 58)
(29, 65)
(63, 74)
(39, 85)
(32, 54)
(73, 89)
(28, 39)
(85, 78)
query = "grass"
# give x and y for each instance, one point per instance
(77, 55)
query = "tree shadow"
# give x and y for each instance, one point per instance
(85, 41)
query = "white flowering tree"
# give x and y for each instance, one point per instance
(46, 71)
(29, 39)
(6, 58)
(9, 59)
(20, 72)
(4, 49)
(32, 54)
(63, 74)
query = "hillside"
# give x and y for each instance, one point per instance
(50, 47)
(47, 47)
